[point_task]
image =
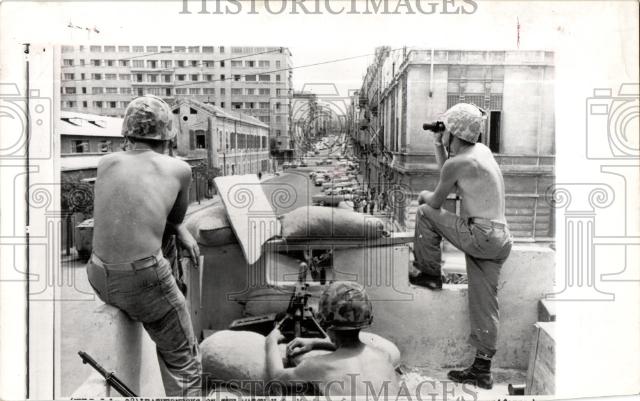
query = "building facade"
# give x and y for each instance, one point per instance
(257, 81)
(231, 142)
(408, 87)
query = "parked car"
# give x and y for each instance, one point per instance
(286, 165)
(319, 180)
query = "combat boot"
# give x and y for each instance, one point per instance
(472, 375)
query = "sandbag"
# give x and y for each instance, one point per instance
(211, 227)
(383, 345)
(322, 222)
(235, 356)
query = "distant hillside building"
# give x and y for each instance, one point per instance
(257, 81)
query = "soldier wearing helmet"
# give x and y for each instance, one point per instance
(353, 367)
(480, 231)
(140, 194)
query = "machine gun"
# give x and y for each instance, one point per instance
(110, 377)
(297, 321)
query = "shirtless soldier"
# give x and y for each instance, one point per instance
(352, 367)
(480, 231)
(138, 194)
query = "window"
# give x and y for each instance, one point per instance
(138, 63)
(208, 77)
(181, 91)
(264, 119)
(71, 104)
(264, 78)
(152, 63)
(167, 91)
(222, 77)
(112, 90)
(221, 63)
(236, 91)
(68, 62)
(84, 90)
(123, 63)
(110, 77)
(140, 92)
(278, 119)
(236, 63)
(237, 77)
(85, 104)
(250, 78)
(97, 91)
(110, 63)
(82, 62)
(70, 91)
(278, 91)
(179, 49)
(221, 49)
(68, 76)
(194, 91)
(193, 63)
(125, 91)
(265, 91)
(223, 91)
(79, 146)
(152, 49)
(138, 49)
(152, 77)
(166, 49)
(207, 49)
(249, 105)
(251, 91)
(95, 48)
(123, 49)
(166, 63)
(264, 105)
(209, 63)
(180, 77)
(180, 63)
(82, 76)
(200, 139)
(236, 50)
(263, 63)
(222, 105)
(67, 49)
(236, 105)
(278, 106)
(124, 77)
(194, 77)
(105, 147)
(277, 63)
(209, 91)
(96, 77)
(154, 91)
(166, 77)
(277, 77)
(95, 62)
(138, 78)
(194, 49)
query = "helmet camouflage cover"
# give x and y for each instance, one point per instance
(344, 305)
(466, 121)
(148, 117)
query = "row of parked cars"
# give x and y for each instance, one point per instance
(339, 184)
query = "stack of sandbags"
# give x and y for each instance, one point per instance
(322, 222)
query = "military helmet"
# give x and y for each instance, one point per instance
(148, 117)
(466, 121)
(344, 305)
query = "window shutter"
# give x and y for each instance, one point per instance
(192, 139)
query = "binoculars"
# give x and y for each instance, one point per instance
(437, 126)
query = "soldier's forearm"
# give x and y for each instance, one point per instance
(441, 154)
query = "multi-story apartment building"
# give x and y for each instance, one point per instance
(257, 81)
(408, 87)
